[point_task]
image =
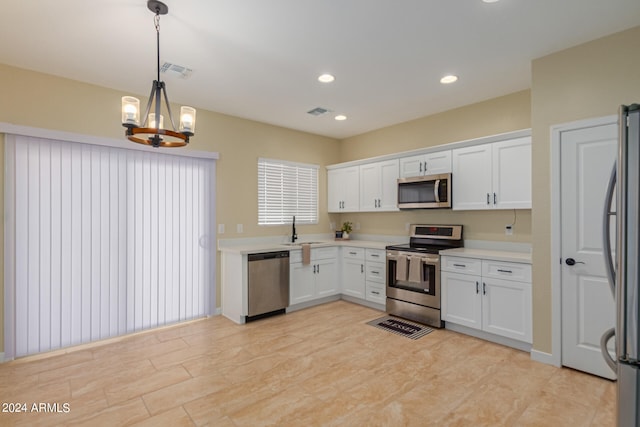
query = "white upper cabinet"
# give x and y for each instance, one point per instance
(426, 164)
(379, 186)
(343, 189)
(492, 176)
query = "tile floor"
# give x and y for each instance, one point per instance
(321, 366)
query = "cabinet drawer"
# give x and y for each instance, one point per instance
(375, 255)
(507, 270)
(375, 272)
(376, 293)
(461, 265)
(316, 254)
(324, 253)
(354, 253)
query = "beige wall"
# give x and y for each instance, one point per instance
(40, 100)
(504, 114)
(590, 80)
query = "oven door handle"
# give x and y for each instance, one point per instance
(436, 191)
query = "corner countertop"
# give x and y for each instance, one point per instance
(254, 248)
(497, 255)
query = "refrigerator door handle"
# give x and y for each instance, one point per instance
(606, 337)
(606, 228)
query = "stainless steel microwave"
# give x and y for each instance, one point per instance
(425, 192)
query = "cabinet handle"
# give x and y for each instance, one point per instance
(361, 268)
(420, 167)
(375, 255)
(477, 290)
(488, 199)
(375, 292)
(352, 253)
(314, 269)
(375, 272)
(505, 271)
(495, 202)
(425, 167)
(318, 270)
(484, 288)
(460, 265)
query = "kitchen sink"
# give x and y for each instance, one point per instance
(300, 243)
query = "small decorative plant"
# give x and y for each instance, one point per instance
(347, 226)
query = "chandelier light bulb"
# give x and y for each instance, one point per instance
(130, 110)
(187, 120)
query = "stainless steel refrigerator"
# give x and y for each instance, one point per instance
(623, 269)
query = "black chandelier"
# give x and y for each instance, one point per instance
(152, 131)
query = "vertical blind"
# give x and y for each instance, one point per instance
(287, 189)
(106, 240)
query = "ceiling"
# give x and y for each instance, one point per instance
(260, 59)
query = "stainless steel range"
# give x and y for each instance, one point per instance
(413, 272)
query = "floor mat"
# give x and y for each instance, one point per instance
(403, 327)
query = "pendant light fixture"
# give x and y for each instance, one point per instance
(152, 131)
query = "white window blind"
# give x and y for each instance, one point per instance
(106, 241)
(285, 190)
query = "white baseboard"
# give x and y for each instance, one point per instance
(518, 345)
(542, 357)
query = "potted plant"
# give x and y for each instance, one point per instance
(347, 226)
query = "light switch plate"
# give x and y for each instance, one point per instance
(220, 228)
(239, 228)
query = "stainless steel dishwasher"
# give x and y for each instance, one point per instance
(268, 284)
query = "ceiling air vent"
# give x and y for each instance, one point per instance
(318, 111)
(176, 70)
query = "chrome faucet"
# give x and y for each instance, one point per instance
(294, 236)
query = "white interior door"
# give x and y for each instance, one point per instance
(588, 309)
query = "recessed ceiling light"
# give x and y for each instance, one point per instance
(341, 117)
(448, 79)
(490, 1)
(326, 78)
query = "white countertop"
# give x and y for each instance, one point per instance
(508, 256)
(253, 248)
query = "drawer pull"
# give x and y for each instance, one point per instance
(477, 291)
(375, 272)
(375, 255)
(460, 265)
(375, 292)
(505, 271)
(353, 253)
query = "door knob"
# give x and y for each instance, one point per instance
(571, 261)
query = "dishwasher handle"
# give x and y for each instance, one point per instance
(268, 255)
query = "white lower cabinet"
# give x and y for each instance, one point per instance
(353, 277)
(375, 268)
(492, 296)
(315, 280)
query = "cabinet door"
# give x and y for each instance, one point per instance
(335, 190)
(506, 308)
(471, 186)
(438, 162)
(327, 278)
(301, 283)
(388, 193)
(343, 188)
(369, 186)
(379, 186)
(351, 189)
(512, 173)
(353, 278)
(462, 299)
(413, 166)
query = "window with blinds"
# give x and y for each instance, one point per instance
(285, 190)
